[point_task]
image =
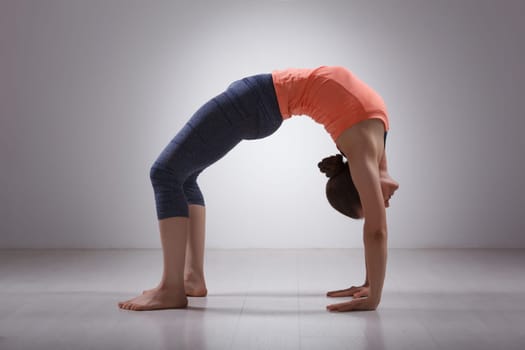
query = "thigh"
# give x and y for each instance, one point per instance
(205, 138)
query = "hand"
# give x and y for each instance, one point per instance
(356, 292)
(353, 305)
(361, 301)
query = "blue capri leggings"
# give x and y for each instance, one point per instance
(247, 110)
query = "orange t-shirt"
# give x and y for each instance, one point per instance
(332, 96)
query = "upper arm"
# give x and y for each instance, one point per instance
(363, 164)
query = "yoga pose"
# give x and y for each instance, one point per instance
(253, 108)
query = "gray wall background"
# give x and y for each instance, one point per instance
(91, 91)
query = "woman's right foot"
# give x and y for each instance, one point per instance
(159, 299)
(194, 287)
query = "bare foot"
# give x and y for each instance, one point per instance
(193, 286)
(156, 300)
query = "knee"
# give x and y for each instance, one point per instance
(161, 176)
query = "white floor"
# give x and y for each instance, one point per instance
(264, 299)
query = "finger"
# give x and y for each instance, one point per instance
(332, 308)
(341, 307)
(356, 304)
(342, 292)
(360, 294)
(339, 294)
(335, 291)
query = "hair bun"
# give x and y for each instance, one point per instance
(332, 165)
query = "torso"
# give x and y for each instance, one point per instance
(332, 96)
(362, 133)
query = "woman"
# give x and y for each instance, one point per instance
(253, 108)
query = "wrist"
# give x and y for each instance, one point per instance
(374, 302)
(374, 297)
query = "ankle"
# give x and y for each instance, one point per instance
(168, 286)
(193, 275)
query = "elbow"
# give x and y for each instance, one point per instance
(378, 235)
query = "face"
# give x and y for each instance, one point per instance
(388, 187)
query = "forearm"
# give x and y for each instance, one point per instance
(375, 259)
(366, 271)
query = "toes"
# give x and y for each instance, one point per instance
(137, 307)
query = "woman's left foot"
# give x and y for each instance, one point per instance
(156, 300)
(194, 286)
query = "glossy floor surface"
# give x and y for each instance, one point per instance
(264, 299)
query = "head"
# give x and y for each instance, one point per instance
(341, 191)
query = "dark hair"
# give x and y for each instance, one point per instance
(340, 189)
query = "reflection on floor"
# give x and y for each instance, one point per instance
(264, 299)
